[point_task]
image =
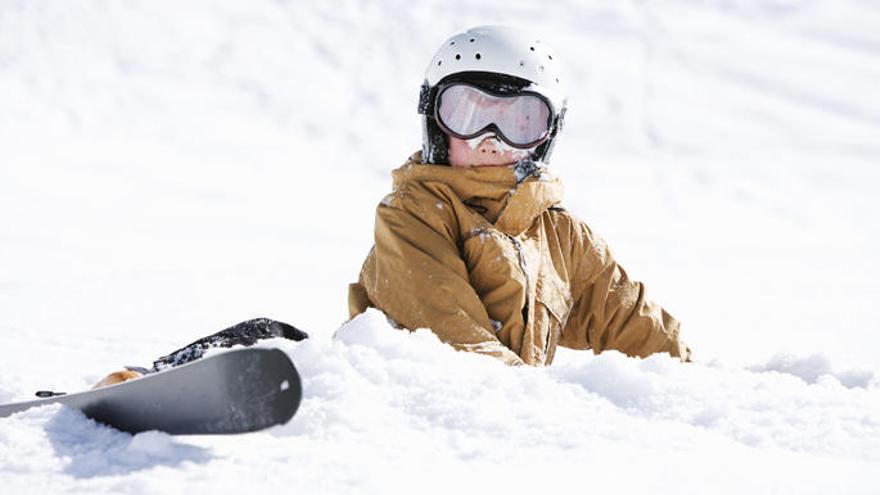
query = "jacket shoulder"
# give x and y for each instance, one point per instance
(583, 246)
(422, 199)
(421, 202)
(564, 219)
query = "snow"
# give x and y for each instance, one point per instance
(168, 170)
(384, 410)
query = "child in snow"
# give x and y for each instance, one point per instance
(473, 242)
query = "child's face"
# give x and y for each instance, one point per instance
(483, 151)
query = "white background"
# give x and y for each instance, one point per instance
(168, 169)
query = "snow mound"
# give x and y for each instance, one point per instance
(406, 398)
(55, 444)
(814, 368)
(385, 409)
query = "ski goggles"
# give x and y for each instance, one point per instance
(522, 120)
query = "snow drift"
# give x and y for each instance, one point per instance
(167, 170)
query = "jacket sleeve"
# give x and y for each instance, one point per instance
(416, 275)
(611, 311)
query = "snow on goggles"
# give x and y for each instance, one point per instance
(522, 120)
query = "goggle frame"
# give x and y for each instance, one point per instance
(492, 126)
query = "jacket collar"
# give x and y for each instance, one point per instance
(514, 205)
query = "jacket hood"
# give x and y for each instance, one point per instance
(511, 204)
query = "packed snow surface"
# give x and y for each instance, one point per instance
(168, 169)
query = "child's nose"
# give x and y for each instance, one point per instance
(489, 145)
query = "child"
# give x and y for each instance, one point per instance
(473, 243)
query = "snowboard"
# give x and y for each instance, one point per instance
(237, 391)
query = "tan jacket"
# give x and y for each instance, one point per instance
(498, 268)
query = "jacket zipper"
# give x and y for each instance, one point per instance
(522, 266)
(525, 312)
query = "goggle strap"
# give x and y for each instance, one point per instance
(425, 100)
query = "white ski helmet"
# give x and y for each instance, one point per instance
(502, 60)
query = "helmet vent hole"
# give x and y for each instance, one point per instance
(472, 40)
(478, 56)
(457, 56)
(550, 56)
(557, 79)
(532, 48)
(451, 43)
(439, 63)
(540, 68)
(522, 63)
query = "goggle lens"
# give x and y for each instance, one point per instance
(465, 111)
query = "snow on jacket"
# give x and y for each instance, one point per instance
(496, 266)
